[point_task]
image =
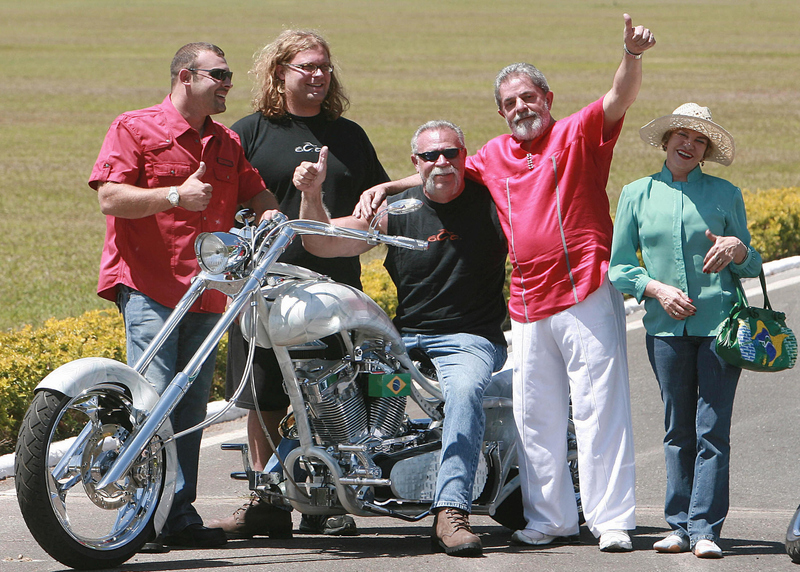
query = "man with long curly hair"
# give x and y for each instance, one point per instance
(298, 102)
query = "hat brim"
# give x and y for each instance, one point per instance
(723, 149)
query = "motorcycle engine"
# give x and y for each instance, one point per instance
(340, 411)
(336, 405)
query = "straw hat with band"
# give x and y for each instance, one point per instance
(692, 116)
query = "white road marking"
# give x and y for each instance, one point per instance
(234, 436)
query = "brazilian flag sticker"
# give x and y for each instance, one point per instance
(389, 384)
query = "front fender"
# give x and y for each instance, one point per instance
(75, 377)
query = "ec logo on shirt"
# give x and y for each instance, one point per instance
(443, 235)
(307, 147)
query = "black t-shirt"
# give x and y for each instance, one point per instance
(276, 147)
(456, 286)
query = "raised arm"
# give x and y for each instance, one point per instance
(373, 197)
(308, 178)
(628, 78)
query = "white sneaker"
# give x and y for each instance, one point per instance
(615, 541)
(707, 549)
(672, 543)
(530, 537)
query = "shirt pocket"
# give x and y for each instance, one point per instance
(168, 174)
(223, 176)
(224, 171)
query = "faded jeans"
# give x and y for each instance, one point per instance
(143, 319)
(464, 365)
(697, 388)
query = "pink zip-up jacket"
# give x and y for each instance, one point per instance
(554, 209)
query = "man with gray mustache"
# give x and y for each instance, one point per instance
(450, 304)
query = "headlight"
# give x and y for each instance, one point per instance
(220, 252)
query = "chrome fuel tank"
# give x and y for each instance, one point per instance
(305, 310)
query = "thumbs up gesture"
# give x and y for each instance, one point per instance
(637, 39)
(195, 194)
(309, 176)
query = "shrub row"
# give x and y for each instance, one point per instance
(28, 355)
(773, 218)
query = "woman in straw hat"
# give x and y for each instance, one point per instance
(691, 230)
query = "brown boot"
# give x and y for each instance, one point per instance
(256, 518)
(452, 534)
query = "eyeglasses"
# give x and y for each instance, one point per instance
(218, 74)
(310, 68)
(432, 156)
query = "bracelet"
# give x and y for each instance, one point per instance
(630, 53)
(746, 253)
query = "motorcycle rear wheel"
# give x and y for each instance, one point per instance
(510, 513)
(793, 537)
(77, 524)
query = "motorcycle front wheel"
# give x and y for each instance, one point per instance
(77, 524)
(793, 537)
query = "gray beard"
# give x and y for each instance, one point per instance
(526, 130)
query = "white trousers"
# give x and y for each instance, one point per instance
(580, 351)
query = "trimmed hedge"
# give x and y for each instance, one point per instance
(28, 355)
(773, 218)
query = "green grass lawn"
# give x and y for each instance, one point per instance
(71, 66)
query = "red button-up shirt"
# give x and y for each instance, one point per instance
(156, 147)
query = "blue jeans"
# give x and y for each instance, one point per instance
(464, 365)
(143, 319)
(697, 388)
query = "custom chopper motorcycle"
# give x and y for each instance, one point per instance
(95, 460)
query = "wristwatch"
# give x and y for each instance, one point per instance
(173, 196)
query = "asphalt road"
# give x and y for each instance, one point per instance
(765, 489)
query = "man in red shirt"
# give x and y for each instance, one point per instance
(164, 175)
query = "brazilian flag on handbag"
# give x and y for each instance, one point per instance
(754, 338)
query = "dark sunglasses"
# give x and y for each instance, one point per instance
(431, 156)
(218, 74)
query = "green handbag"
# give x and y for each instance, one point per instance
(756, 338)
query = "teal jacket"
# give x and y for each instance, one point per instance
(667, 221)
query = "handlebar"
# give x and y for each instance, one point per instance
(303, 226)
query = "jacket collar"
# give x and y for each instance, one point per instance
(694, 174)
